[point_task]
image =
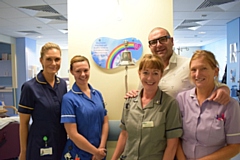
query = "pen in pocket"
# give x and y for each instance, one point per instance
(220, 117)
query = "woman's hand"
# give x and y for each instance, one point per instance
(100, 154)
(131, 94)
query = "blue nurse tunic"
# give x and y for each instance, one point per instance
(88, 114)
(43, 102)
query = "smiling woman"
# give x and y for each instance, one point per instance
(220, 139)
(40, 100)
(84, 115)
(159, 125)
(204, 72)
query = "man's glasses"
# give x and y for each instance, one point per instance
(160, 40)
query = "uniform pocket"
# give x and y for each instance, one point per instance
(217, 133)
(157, 132)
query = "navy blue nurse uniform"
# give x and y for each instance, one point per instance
(43, 102)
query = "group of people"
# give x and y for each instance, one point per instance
(56, 114)
(180, 110)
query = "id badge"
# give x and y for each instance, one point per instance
(45, 151)
(67, 156)
(147, 124)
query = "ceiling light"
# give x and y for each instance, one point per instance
(201, 32)
(194, 28)
(64, 31)
(43, 8)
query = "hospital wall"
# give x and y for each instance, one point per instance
(138, 18)
(101, 20)
(86, 22)
(219, 48)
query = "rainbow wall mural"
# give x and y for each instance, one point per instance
(106, 52)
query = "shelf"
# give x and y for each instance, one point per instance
(6, 69)
(6, 89)
(5, 60)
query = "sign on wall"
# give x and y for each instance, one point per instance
(106, 52)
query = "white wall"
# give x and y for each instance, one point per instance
(88, 20)
(7, 39)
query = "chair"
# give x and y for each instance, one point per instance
(14, 113)
(9, 136)
(3, 112)
(9, 141)
(114, 130)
